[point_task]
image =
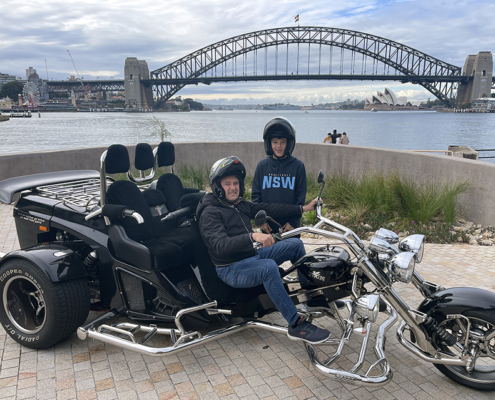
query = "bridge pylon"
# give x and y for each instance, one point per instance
(137, 95)
(480, 68)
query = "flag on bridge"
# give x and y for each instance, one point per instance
(296, 18)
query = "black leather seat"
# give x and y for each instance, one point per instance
(169, 183)
(166, 251)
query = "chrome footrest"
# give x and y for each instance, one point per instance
(351, 376)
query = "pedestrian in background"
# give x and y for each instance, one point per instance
(328, 139)
(344, 139)
(334, 136)
(339, 140)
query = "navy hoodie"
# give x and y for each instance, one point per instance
(280, 181)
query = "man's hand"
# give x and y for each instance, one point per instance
(310, 206)
(263, 238)
(266, 227)
(287, 227)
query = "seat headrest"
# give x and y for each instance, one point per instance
(166, 154)
(143, 158)
(117, 159)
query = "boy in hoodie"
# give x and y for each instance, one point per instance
(281, 177)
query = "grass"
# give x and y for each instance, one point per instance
(393, 198)
(194, 177)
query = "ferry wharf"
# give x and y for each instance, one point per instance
(253, 364)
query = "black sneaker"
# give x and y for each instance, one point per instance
(308, 332)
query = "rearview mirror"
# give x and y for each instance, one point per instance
(260, 218)
(320, 177)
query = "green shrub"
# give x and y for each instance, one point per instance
(372, 201)
(196, 177)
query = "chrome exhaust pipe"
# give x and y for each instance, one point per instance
(175, 347)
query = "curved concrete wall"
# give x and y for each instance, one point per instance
(478, 204)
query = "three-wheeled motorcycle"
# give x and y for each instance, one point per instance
(131, 249)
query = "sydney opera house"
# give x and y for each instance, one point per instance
(388, 101)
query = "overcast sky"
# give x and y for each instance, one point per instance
(100, 34)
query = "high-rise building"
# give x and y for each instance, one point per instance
(5, 78)
(30, 71)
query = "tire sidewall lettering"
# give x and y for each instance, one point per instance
(11, 330)
(17, 271)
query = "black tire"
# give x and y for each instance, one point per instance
(483, 376)
(37, 312)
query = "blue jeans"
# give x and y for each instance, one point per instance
(263, 269)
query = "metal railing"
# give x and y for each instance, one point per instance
(485, 150)
(445, 152)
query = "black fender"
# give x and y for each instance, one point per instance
(470, 302)
(58, 262)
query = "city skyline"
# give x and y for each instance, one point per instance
(101, 35)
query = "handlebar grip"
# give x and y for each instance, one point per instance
(177, 214)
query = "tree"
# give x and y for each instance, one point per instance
(11, 89)
(194, 105)
(158, 129)
(466, 105)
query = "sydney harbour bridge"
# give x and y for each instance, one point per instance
(299, 53)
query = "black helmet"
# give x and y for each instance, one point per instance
(279, 127)
(227, 166)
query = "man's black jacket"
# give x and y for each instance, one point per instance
(227, 230)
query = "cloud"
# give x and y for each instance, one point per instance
(101, 34)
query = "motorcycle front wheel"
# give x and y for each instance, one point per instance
(482, 377)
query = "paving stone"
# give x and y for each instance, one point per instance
(125, 386)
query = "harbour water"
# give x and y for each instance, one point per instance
(396, 130)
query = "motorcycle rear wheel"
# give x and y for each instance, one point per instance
(483, 375)
(37, 312)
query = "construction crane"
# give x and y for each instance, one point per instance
(79, 76)
(46, 67)
(311, 103)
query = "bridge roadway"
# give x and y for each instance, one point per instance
(118, 84)
(250, 365)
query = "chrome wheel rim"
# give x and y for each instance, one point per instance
(484, 369)
(24, 305)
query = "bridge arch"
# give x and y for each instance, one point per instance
(404, 60)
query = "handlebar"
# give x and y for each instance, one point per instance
(177, 214)
(276, 236)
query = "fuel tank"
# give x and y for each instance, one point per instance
(325, 265)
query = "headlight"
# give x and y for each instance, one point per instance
(414, 244)
(367, 306)
(402, 266)
(387, 235)
(382, 246)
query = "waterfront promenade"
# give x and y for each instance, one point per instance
(251, 365)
